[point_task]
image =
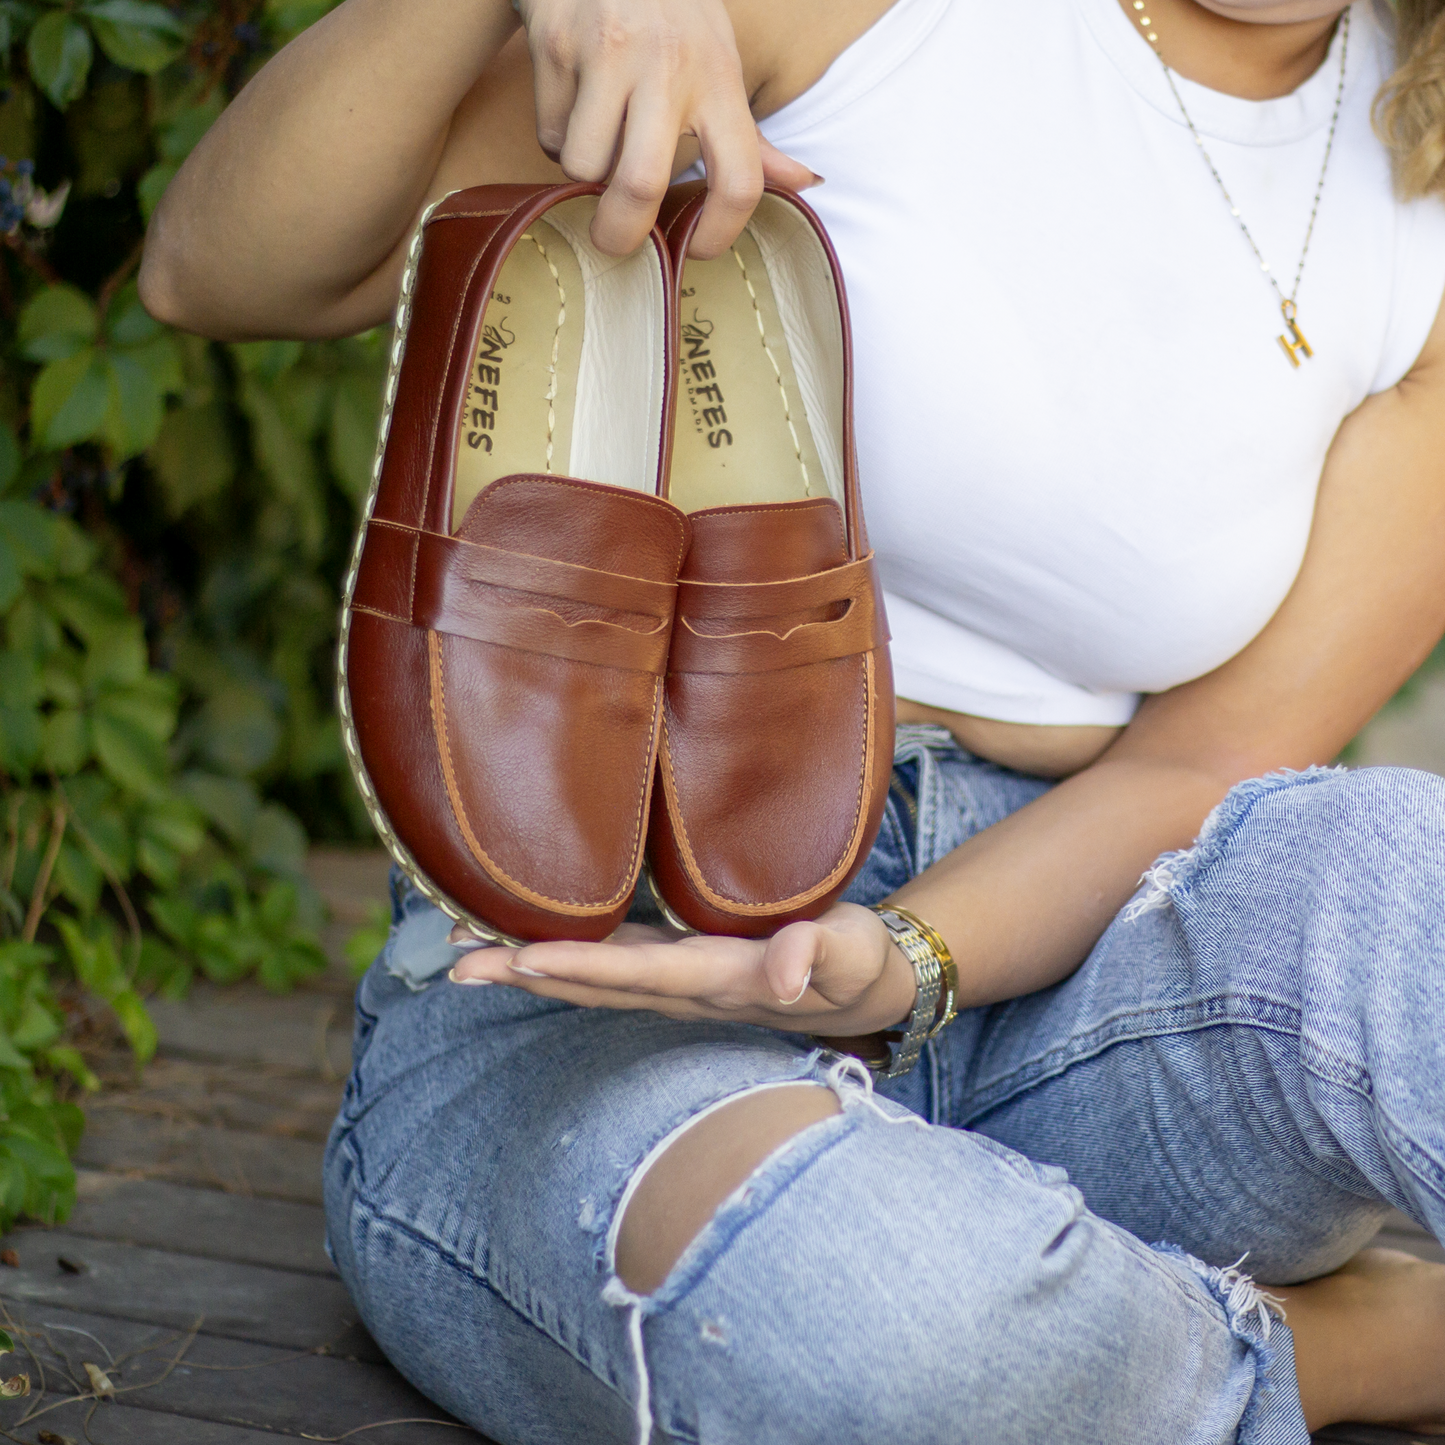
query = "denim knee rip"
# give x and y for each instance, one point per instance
(1251, 1312)
(853, 1085)
(1172, 875)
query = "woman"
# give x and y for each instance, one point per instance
(1156, 518)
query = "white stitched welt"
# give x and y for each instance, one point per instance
(777, 371)
(556, 343)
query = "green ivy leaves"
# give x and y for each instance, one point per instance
(149, 732)
(57, 324)
(133, 33)
(59, 51)
(77, 682)
(97, 964)
(39, 1130)
(264, 938)
(104, 378)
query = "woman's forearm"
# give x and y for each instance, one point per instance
(306, 186)
(1023, 902)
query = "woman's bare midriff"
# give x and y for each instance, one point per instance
(1047, 750)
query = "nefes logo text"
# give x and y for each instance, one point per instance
(483, 398)
(698, 378)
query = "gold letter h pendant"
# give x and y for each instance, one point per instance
(1295, 342)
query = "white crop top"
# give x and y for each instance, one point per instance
(1088, 467)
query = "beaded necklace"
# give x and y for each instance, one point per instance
(1293, 339)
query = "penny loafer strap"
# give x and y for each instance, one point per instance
(859, 627)
(466, 589)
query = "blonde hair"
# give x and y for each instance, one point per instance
(1410, 109)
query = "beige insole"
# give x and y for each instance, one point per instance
(523, 393)
(742, 435)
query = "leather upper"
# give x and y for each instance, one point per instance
(505, 681)
(778, 723)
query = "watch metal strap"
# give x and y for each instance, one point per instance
(948, 999)
(928, 975)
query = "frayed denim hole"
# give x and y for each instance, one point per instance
(1172, 878)
(1252, 1314)
(709, 1243)
(597, 1216)
(748, 1202)
(418, 951)
(850, 1080)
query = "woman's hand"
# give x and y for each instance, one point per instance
(619, 82)
(842, 976)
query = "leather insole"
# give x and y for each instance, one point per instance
(519, 408)
(742, 435)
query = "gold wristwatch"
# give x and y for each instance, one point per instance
(936, 1003)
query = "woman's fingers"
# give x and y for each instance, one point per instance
(698, 977)
(837, 960)
(554, 84)
(723, 970)
(790, 959)
(628, 208)
(729, 141)
(807, 975)
(587, 996)
(722, 974)
(620, 82)
(783, 170)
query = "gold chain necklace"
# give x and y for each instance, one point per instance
(1293, 340)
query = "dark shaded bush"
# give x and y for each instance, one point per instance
(174, 516)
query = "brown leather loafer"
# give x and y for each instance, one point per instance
(777, 742)
(508, 612)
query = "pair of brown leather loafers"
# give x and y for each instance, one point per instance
(612, 597)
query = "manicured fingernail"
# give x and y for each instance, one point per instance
(530, 972)
(816, 181)
(452, 974)
(807, 979)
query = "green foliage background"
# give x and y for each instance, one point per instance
(174, 518)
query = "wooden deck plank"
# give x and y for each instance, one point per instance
(351, 880)
(200, 1222)
(1368, 1435)
(308, 1030)
(235, 1383)
(239, 1301)
(206, 1155)
(119, 1424)
(264, 1100)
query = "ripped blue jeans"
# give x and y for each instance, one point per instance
(1034, 1236)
